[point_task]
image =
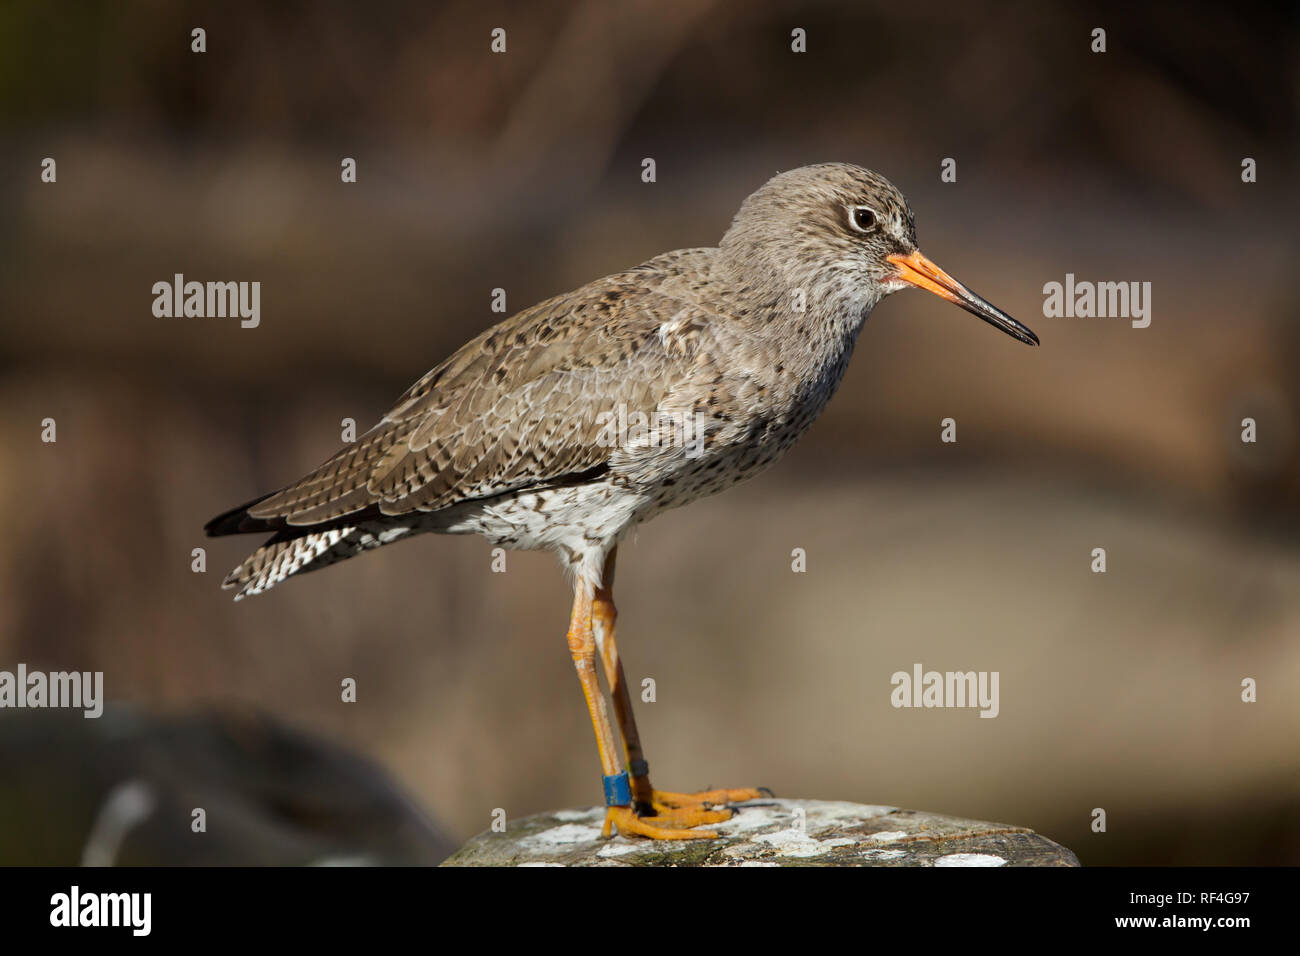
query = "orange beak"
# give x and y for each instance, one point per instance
(915, 269)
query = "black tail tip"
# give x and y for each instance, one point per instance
(237, 521)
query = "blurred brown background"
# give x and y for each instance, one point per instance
(522, 170)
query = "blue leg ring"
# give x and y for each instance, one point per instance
(618, 792)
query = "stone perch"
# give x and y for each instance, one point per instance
(772, 833)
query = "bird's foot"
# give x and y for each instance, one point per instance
(677, 824)
(665, 815)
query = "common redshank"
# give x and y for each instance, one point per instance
(571, 422)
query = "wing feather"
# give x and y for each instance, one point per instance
(518, 406)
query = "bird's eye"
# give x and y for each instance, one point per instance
(862, 218)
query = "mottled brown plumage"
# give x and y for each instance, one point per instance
(510, 438)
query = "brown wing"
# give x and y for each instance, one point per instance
(516, 407)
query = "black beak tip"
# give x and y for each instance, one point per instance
(1016, 330)
(1004, 322)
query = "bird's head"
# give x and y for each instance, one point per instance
(845, 233)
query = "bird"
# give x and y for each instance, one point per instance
(579, 418)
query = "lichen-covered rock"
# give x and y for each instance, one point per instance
(772, 833)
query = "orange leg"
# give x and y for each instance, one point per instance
(583, 649)
(671, 809)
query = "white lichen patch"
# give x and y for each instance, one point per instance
(884, 854)
(970, 859)
(749, 819)
(572, 816)
(825, 812)
(818, 815)
(887, 836)
(618, 849)
(792, 842)
(795, 828)
(561, 836)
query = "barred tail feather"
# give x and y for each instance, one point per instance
(277, 559)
